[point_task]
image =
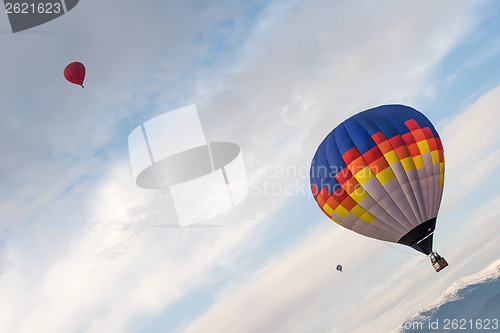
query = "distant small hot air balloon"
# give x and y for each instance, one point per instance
(339, 268)
(75, 73)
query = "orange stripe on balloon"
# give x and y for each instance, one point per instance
(348, 203)
(413, 149)
(357, 165)
(402, 152)
(432, 144)
(385, 147)
(418, 135)
(320, 200)
(350, 185)
(379, 165)
(332, 203)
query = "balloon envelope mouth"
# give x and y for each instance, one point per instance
(420, 237)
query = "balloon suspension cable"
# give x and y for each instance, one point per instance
(432, 251)
(83, 86)
(397, 248)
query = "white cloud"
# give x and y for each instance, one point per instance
(471, 142)
(117, 268)
(286, 294)
(300, 290)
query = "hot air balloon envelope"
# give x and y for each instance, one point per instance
(380, 173)
(75, 73)
(339, 268)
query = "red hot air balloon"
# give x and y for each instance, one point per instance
(75, 73)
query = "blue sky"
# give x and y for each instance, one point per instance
(78, 252)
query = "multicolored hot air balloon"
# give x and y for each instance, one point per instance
(339, 268)
(380, 173)
(75, 73)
